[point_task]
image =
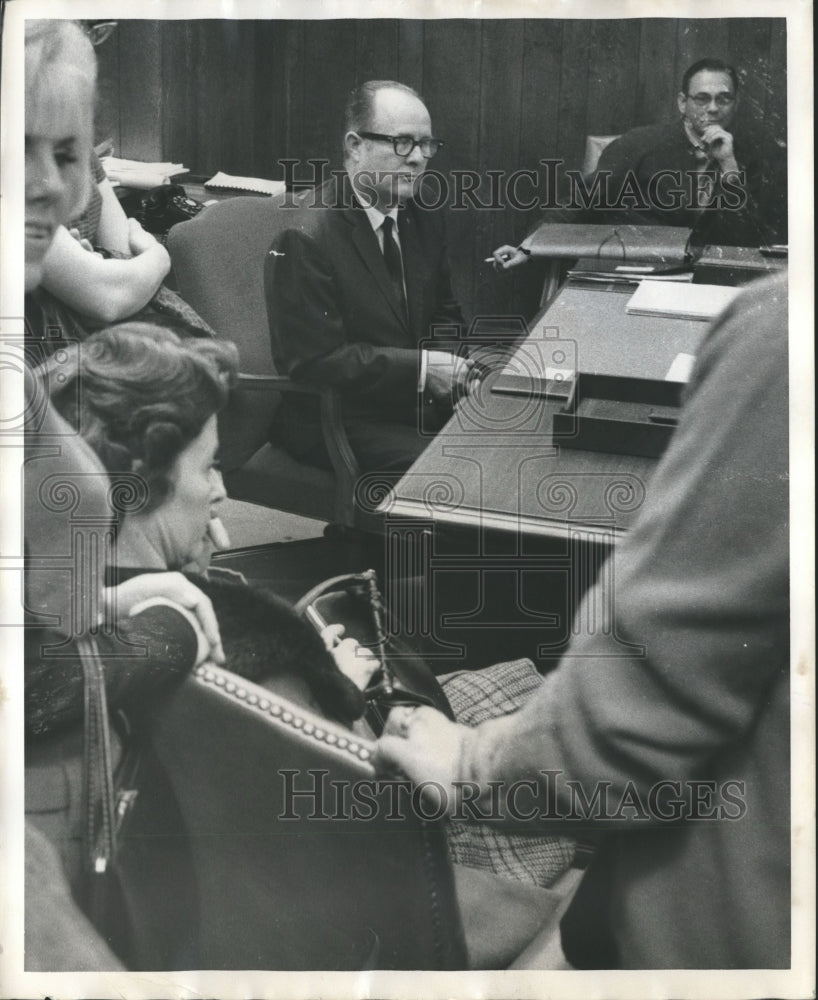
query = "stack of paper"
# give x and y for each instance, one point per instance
(595, 269)
(257, 185)
(657, 298)
(139, 174)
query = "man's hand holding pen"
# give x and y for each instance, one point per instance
(718, 144)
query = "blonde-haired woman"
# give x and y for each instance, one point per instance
(60, 72)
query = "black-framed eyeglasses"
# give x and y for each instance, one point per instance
(99, 31)
(702, 100)
(405, 144)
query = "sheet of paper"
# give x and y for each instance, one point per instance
(680, 300)
(681, 368)
(257, 185)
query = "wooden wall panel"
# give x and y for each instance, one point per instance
(184, 106)
(499, 153)
(540, 101)
(140, 89)
(575, 66)
(751, 38)
(699, 40)
(329, 75)
(657, 77)
(775, 116)
(109, 75)
(376, 50)
(410, 53)
(611, 103)
(240, 96)
(286, 97)
(452, 68)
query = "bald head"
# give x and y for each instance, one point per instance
(377, 113)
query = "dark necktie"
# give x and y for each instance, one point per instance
(391, 255)
(705, 185)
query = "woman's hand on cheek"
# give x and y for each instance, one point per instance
(129, 597)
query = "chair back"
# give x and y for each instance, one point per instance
(218, 262)
(67, 522)
(594, 146)
(266, 865)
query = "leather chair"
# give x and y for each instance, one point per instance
(218, 263)
(266, 879)
(594, 147)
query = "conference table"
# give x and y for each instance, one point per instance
(497, 464)
(507, 527)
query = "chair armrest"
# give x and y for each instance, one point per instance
(343, 461)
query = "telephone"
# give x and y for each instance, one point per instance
(166, 205)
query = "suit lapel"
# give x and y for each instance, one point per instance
(414, 266)
(366, 244)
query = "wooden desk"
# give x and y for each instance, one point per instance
(734, 265)
(496, 464)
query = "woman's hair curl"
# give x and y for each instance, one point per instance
(140, 394)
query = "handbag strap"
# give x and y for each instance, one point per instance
(98, 778)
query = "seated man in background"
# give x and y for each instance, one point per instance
(726, 183)
(358, 280)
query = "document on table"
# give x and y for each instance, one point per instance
(680, 301)
(140, 174)
(681, 368)
(256, 185)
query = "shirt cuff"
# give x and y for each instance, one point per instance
(424, 360)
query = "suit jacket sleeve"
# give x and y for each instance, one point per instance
(304, 314)
(701, 612)
(447, 310)
(764, 161)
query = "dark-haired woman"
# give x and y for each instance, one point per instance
(146, 400)
(148, 407)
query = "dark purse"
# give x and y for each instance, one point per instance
(404, 677)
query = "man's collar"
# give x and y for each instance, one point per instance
(375, 215)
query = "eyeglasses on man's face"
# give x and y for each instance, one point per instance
(98, 31)
(703, 100)
(404, 144)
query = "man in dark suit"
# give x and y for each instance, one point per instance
(358, 281)
(703, 170)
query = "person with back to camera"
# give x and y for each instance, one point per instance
(694, 724)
